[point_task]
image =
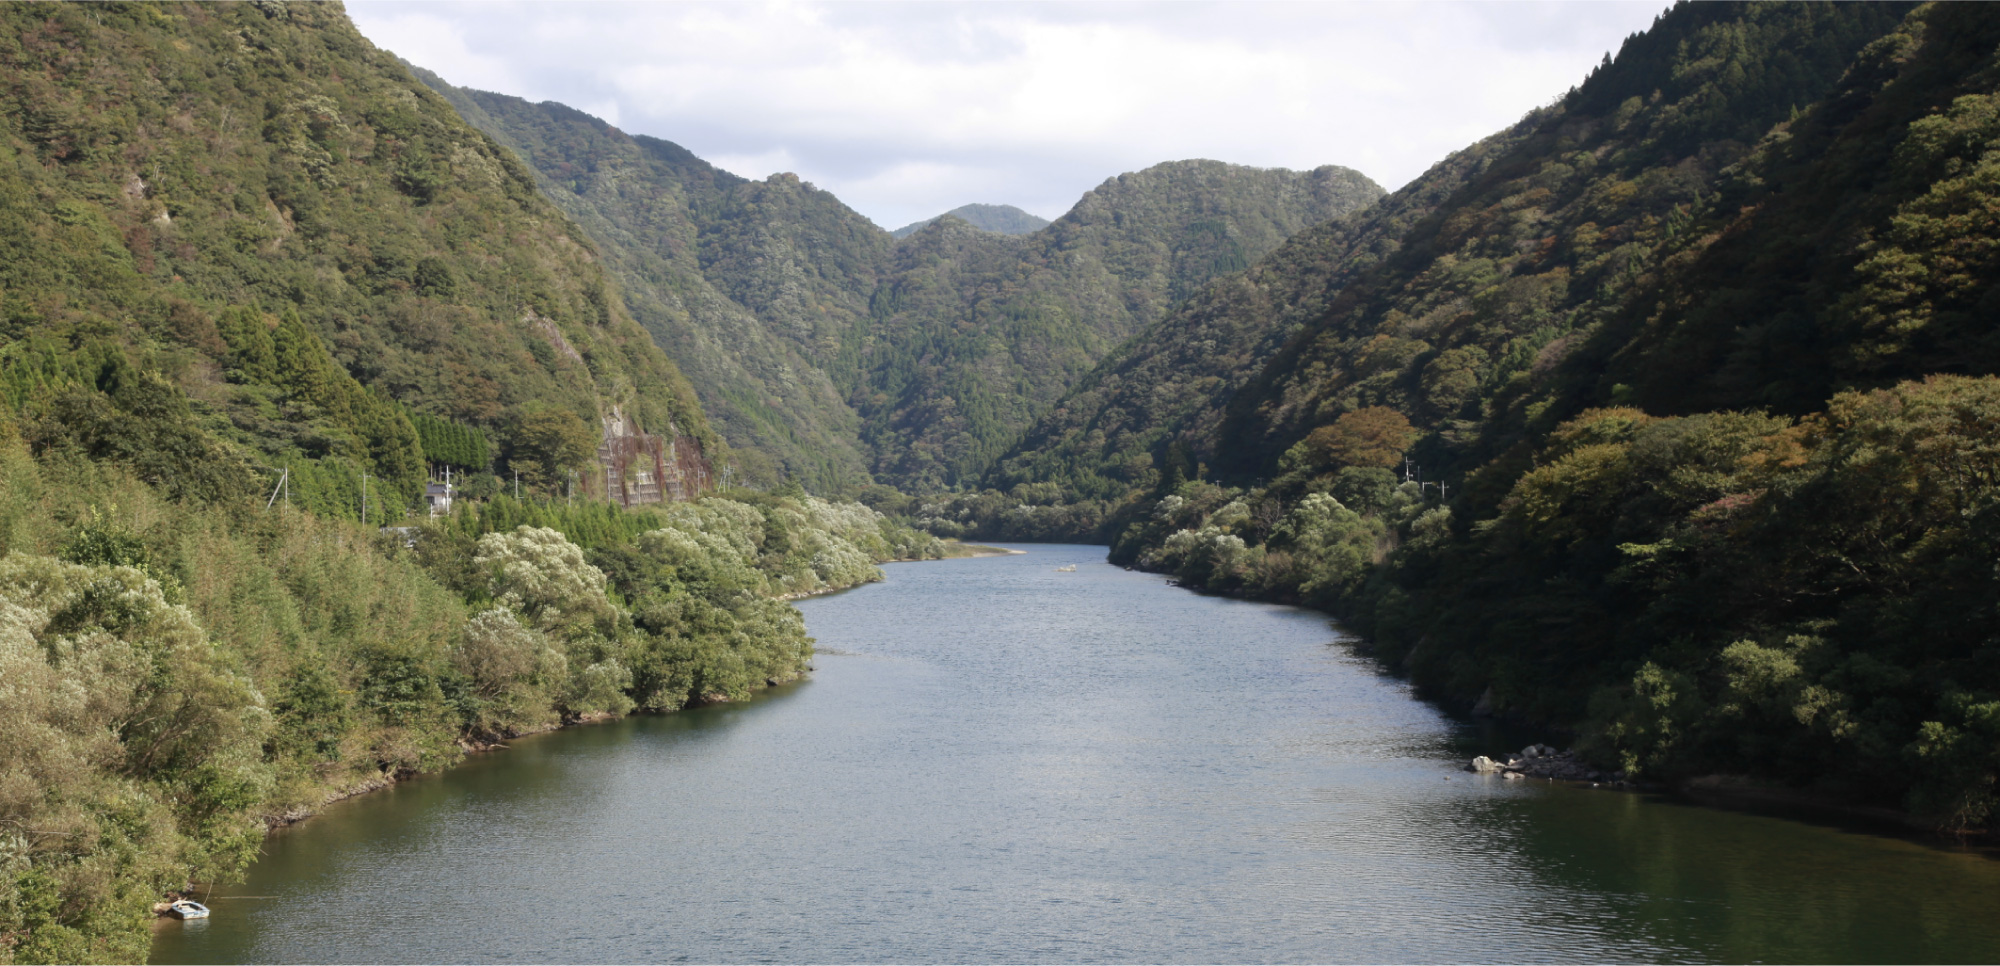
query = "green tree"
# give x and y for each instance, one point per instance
(548, 444)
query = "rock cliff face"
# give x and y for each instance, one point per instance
(636, 467)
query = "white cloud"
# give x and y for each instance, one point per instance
(755, 166)
(434, 41)
(906, 110)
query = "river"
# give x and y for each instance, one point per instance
(999, 762)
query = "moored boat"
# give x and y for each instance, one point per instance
(187, 909)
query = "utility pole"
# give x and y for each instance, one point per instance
(517, 486)
(275, 489)
(364, 498)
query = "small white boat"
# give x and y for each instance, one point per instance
(187, 909)
(1066, 570)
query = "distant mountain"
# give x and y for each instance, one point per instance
(847, 354)
(975, 333)
(1172, 382)
(1005, 219)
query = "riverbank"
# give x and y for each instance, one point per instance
(1744, 793)
(1736, 793)
(954, 550)
(982, 814)
(469, 746)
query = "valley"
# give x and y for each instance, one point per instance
(354, 420)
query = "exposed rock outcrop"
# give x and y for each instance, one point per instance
(1544, 762)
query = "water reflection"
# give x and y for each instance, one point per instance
(999, 762)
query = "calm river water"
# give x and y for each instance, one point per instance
(997, 762)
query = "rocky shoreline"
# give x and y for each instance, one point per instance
(1549, 764)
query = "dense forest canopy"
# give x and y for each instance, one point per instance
(238, 237)
(1005, 219)
(1662, 418)
(849, 355)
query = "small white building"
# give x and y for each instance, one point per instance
(438, 496)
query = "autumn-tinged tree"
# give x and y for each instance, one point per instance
(1374, 436)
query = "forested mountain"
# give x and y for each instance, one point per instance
(805, 327)
(1170, 383)
(240, 237)
(752, 287)
(242, 246)
(1691, 367)
(1454, 282)
(974, 333)
(1561, 228)
(1005, 219)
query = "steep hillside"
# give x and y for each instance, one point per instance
(1694, 376)
(1005, 219)
(1171, 383)
(687, 240)
(1854, 252)
(1556, 231)
(843, 352)
(975, 333)
(1455, 283)
(246, 225)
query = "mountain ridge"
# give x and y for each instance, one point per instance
(1670, 427)
(851, 354)
(1003, 219)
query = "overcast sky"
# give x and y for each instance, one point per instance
(908, 110)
